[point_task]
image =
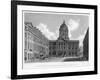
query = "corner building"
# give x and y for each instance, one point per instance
(63, 46)
(36, 44)
(86, 46)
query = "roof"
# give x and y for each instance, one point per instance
(63, 26)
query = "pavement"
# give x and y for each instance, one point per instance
(57, 59)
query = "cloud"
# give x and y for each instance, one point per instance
(57, 33)
(81, 38)
(45, 31)
(70, 35)
(73, 24)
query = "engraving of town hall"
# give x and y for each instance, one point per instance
(39, 48)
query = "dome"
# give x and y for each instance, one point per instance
(63, 26)
(63, 32)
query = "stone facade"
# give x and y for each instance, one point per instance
(68, 48)
(36, 44)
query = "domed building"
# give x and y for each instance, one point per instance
(63, 46)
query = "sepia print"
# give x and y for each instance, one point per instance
(55, 37)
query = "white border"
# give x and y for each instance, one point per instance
(54, 67)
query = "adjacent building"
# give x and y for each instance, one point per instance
(86, 46)
(36, 44)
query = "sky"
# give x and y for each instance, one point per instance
(49, 24)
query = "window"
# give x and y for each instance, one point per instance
(28, 45)
(25, 35)
(25, 56)
(25, 44)
(28, 56)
